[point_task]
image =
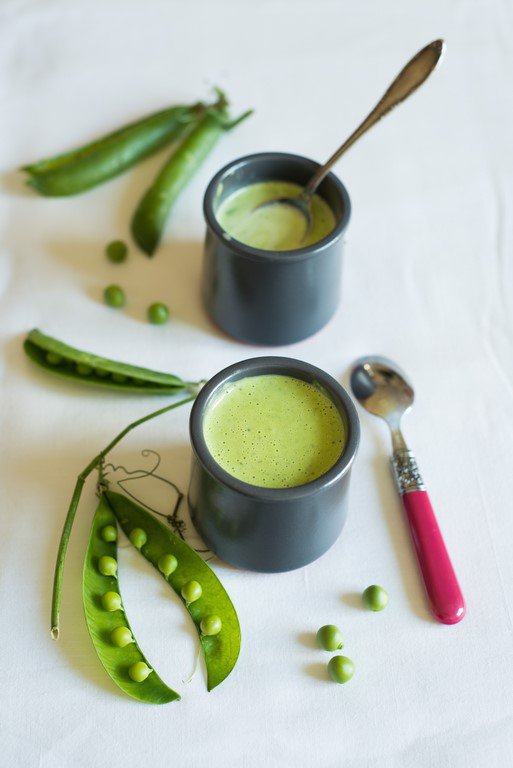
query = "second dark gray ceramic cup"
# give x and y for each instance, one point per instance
(272, 297)
(269, 529)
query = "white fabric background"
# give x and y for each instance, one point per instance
(428, 280)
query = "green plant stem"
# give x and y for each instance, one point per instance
(70, 516)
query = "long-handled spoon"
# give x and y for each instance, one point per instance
(382, 389)
(407, 81)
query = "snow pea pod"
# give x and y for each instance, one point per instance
(221, 650)
(117, 657)
(59, 358)
(101, 160)
(153, 210)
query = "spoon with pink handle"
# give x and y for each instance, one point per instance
(382, 389)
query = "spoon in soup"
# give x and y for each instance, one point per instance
(407, 81)
(383, 390)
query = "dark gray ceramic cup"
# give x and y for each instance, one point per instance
(269, 529)
(271, 297)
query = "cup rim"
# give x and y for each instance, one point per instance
(287, 366)
(296, 254)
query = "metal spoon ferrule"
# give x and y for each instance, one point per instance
(406, 472)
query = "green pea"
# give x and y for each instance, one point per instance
(138, 537)
(52, 358)
(111, 601)
(167, 564)
(101, 372)
(211, 625)
(158, 313)
(114, 296)
(191, 591)
(139, 671)
(119, 378)
(109, 533)
(107, 566)
(116, 251)
(121, 636)
(83, 369)
(340, 669)
(375, 598)
(330, 638)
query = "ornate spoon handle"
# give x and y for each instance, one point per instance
(416, 71)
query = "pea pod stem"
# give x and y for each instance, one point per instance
(70, 516)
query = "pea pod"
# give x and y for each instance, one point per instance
(101, 623)
(101, 160)
(153, 210)
(71, 363)
(221, 650)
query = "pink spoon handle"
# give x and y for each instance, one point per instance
(443, 591)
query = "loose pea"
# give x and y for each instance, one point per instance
(138, 537)
(116, 251)
(119, 378)
(330, 638)
(109, 533)
(52, 358)
(340, 669)
(107, 566)
(114, 296)
(191, 591)
(167, 564)
(83, 369)
(139, 671)
(121, 636)
(111, 601)
(211, 625)
(158, 313)
(375, 598)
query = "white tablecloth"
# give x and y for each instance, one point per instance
(428, 281)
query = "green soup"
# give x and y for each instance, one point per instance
(274, 431)
(273, 227)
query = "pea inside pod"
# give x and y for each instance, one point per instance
(221, 649)
(110, 631)
(71, 363)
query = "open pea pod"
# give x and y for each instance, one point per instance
(221, 650)
(88, 368)
(101, 623)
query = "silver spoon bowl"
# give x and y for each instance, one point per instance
(381, 388)
(416, 71)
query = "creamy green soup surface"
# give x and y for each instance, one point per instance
(273, 227)
(274, 431)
